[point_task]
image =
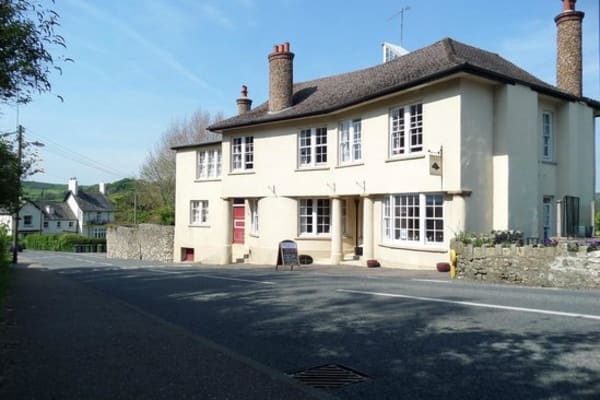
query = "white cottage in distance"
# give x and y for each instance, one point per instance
(391, 162)
(84, 213)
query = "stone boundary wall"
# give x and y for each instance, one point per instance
(141, 242)
(529, 265)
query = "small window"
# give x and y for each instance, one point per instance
(70, 224)
(198, 212)
(27, 220)
(547, 216)
(547, 136)
(242, 153)
(254, 216)
(406, 129)
(315, 216)
(312, 147)
(99, 233)
(350, 141)
(45, 224)
(208, 164)
(58, 224)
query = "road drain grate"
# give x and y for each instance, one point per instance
(330, 376)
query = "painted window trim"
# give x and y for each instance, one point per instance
(315, 217)
(354, 141)
(548, 200)
(407, 130)
(204, 164)
(388, 212)
(549, 156)
(246, 150)
(203, 213)
(254, 217)
(313, 148)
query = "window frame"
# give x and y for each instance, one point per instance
(318, 222)
(412, 218)
(198, 215)
(409, 127)
(242, 153)
(254, 216)
(316, 147)
(27, 220)
(350, 141)
(547, 147)
(547, 214)
(208, 164)
(99, 232)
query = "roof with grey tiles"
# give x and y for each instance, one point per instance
(443, 58)
(92, 201)
(54, 210)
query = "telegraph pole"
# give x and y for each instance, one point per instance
(17, 204)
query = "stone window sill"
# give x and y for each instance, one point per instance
(405, 157)
(416, 247)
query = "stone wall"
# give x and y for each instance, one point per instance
(141, 242)
(557, 266)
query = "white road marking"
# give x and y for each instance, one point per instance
(471, 304)
(215, 277)
(431, 280)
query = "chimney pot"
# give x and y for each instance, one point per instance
(569, 5)
(281, 78)
(243, 102)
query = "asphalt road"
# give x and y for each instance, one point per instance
(414, 335)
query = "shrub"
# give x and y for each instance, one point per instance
(58, 242)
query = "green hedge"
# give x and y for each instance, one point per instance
(58, 242)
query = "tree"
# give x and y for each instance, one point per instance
(8, 176)
(12, 172)
(27, 37)
(157, 173)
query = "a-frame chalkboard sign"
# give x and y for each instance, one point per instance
(288, 254)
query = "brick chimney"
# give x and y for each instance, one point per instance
(281, 77)
(243, 102)
(569, 54)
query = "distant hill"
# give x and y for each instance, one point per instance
(121, 193)
(44, 191)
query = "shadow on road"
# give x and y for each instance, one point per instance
(411, 349)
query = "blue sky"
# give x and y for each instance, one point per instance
(142, 64)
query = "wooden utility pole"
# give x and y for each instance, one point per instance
(17, 204)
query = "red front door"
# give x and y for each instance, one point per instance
(239, 223)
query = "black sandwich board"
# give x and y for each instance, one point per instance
(288, 254)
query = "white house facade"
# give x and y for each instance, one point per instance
(390, 162)
(93, 211)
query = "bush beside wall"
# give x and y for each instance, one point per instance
(58, 242)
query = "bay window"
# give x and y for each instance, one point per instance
(413, 218)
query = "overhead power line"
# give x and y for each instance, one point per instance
(72, 155)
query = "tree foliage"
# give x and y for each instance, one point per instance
(11, 173)
(157, 174)
(27, 39)
(8, 176)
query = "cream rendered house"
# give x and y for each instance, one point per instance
(391, 162)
